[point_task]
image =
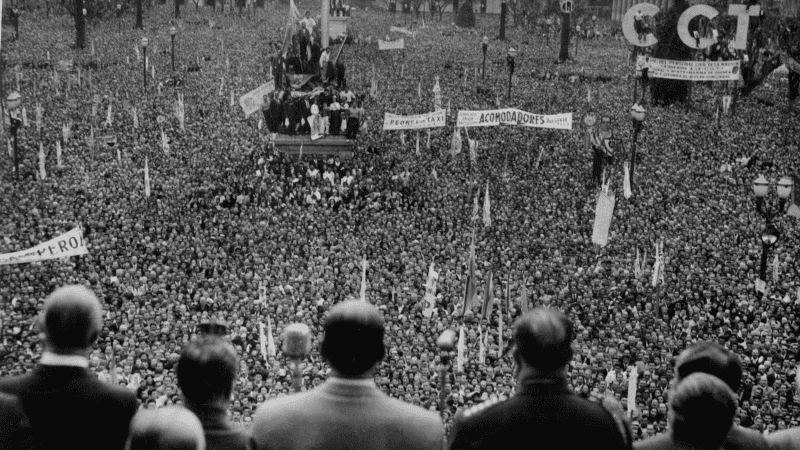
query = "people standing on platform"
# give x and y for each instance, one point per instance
(354, 120)
(336, 117)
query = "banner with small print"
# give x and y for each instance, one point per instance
(254, 100)
(511, 116)
(604, 211)
(690, 70)
(392, 45)
(435, 119)
(68, 244)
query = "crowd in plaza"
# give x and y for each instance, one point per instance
(230, 213)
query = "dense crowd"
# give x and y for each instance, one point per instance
(230, 213)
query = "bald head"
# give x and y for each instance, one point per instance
(353, 340)
(543, 339)
(71, 319)
(171, 428)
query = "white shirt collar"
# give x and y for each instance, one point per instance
(52, 359)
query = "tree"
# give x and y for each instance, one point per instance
(466, 16)
(139, 20)
(80, 25)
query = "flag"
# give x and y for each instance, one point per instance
(776, 264)
(604, 211)
(164, 143)
(481, 346)
(119, 155)
(455, 143)
(430, 293)
(232, 104)
(271, 350)
(108, 116)
(300, 155)
(508, 295)
(417, 143)
(428, 145)
(25, 117)
(500, 334)
(59, 163)
(487, 217)
(112, 366)
(42, 171)
(626, 181)
(146, 178)
(473, 150)
(589, 96)
(39, 114)
(262, 340)
(462, 349)
(523, 297)
(633, 379)
(637, 265)
(135, 118)
(364, 280)
(419, 90)
(476, 215)
(538, 158)
(488, 296)
(470, 288)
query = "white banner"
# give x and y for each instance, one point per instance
(254, 100)
(603, 213)
(690, 70)
(511, 116)
(70, 243)
(392, 45)
(435, 119)
(401, 30)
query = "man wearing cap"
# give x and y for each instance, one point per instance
(543, 410)
(348, 411)
(67, 406)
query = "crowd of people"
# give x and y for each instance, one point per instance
(229, 214)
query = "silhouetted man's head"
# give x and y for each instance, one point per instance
(711, 358)
(71, 320)
(353, 341)
(543, 340)
(206, 371)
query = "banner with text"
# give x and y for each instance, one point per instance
(511, 116)
(68, 244)
(435, 119)
(392, 45)
(254, 100)
(689, 70)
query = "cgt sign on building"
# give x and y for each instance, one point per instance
(742, 12)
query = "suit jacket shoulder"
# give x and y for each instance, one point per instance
(659, 442)
(784, 439)
(740, 438)
(15, 430)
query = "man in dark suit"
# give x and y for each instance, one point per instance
(713, 359)
(206, 373)
(348, 411)
(15, 430)
(543, 412)
(68, 407)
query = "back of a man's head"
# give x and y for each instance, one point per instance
(206, 370)
(701, 411)
(353, 341)
(711, 358)
(171, 428)
(543, 339)
(71, 319)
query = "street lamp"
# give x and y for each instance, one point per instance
(119, 17)
(446, 344)
(783, 189)
(512, 53)
(485, 46)
(637, 118)
(172, 32)
(770, 235)
(144, 61)
(13, 101)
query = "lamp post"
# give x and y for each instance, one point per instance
(144, 61)
(446, 344)
(13, 101)
(637, 118)
(770, 235)
(512, 53)
(485, 47)
(119, 17)
(172, 32)
(577, 38)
